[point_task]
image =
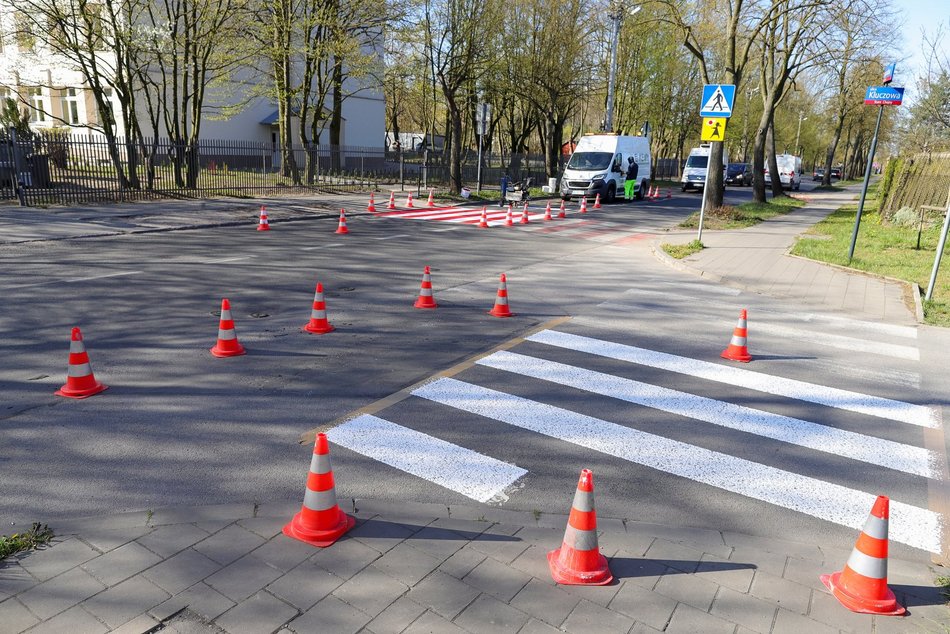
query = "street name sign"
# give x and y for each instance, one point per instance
(717, 100)
(883, 96)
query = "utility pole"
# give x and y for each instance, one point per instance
(616, 13)
(798, 136)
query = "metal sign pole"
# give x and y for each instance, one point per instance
(943, 242)
(702, 208)
(864, 188)
(478, 177)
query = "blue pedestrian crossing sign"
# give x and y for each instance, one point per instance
(717, 100)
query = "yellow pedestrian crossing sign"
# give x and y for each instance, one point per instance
(714, 129)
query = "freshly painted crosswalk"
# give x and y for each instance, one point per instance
(467, 469)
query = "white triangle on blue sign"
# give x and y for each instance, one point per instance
(717, 103)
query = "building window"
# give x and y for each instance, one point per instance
(23, 32)
(71, 106)
(38, 109)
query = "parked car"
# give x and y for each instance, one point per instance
(739, 174)
(835, 172)
(818, 174)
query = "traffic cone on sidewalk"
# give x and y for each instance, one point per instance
(547, 212)
(372, 204)
(584, 205)
(501, 300)
(737, 349)
(862, 585)
(483, 224)
(263, 224)
(392, 200)
(524, 215)
(341, 228)
(597, 201)
(320, 521)
(409, 201)
(578, 561)
(228, 344)
(431, 201)
(562, 213)
(509, 221)
(318, 324)
(425, 299)
(80, 381)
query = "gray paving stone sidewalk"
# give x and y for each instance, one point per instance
(418, 568)
(756, 259)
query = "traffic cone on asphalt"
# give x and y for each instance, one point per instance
(547, 212)
(263, 224)
(80, 381)
(227, 345)
(562, 213)
(737, 349)
(584, 205)
(862, 585)
(372, 204)
(425, 299)
(508, 219)
(524, 215)
(318, 324)
(431, 201)
(656, 193)
(501, 300)
(578, 561)
(341, 228)
(392, 200)
(483, 224)
(320, 521)
(409, 200)
(597, 201)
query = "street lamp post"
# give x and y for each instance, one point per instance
(616, 13)
(798, 136)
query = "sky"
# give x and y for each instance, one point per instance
(918, 14)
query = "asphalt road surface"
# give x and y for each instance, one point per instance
(611, 363)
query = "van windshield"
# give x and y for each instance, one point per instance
(590, 160)
(697, 161)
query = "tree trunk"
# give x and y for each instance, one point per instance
(776, 178)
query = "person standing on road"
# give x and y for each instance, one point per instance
(630, 183)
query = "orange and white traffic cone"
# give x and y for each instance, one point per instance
(501, 300)
(372, 204)
(409, 201)
(584, 205)
(547, 212)
(320, 521)
(392, 200)
(431, 201)
(318, 323)
(228, 344)
(509, 221)
(738, 350)
(426, 300)
(80, 381)
(562, 213)
(578, 561)
(597, 201)
(524, 215)
(656, 193)
(263, 224)
(862, 585)
(483, 224)
(341, 228)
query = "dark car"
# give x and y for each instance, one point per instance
(739, 174)
(835, 172)
(819, 174)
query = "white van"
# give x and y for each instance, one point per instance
(599, 166)
(697, 164)
(789, 171)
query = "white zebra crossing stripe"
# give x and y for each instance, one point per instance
(845, 343)
(911, 525)
(909, 413)
(462, 470)
(877, 451)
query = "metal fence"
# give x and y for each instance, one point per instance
(49, 169)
